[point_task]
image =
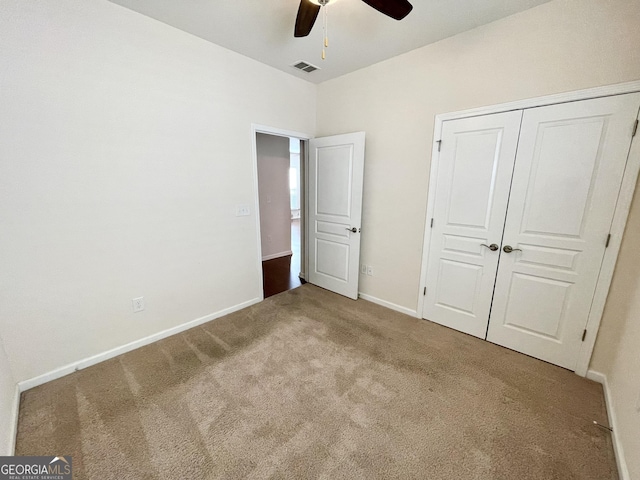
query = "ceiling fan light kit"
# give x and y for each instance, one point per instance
(309, 9)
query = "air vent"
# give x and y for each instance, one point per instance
(305, 67)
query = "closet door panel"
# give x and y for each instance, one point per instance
(569, 166)
(472, 189)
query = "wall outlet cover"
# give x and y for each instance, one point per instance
(138, 304)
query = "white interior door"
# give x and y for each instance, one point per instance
(569, 166)
(336, 170)
(472, 191)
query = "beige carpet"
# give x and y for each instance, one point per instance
(311, 385)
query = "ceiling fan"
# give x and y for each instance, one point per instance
(308, 12)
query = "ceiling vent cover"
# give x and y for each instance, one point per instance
(305, 67)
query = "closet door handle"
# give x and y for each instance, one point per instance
(509, 249)
(493, 247)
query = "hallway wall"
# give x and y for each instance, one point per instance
(273, 192)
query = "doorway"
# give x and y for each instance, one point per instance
(280, 196)
(316, 185)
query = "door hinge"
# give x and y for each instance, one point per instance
(584, 334)
(633, 134)
(432, 223)
(439, 142)
(424, 292)
(608, 240)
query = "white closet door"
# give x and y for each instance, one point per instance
(570, 162)
(473, 178)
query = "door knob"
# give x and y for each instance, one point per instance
(352, 229)
(493, 247)
(509, 249)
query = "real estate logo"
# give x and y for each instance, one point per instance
(36, 468)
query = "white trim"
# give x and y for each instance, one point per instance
(256, 128)
(620, 215)
(597, 377)
(596, 92)
(601, 378)
(305, 223)
(389, 305)
(426, 242)
(13, 432)
(114, 352)
(277, 255)
(608, 266)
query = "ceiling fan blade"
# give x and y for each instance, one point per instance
(397, 9)
(307, 14)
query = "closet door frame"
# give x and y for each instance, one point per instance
(620, 216)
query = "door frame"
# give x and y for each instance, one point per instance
(620, 216)
(278, 132)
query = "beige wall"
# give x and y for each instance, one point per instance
(561, 46)
(8, 390)
(273, 188)
(126, 146)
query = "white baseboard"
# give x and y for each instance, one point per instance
(114, 352)
(601, 378)
(13, 423)
(597, 377)
(277, 255)
(392, 306)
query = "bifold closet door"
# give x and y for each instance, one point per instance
(473, 179)
(568, 170)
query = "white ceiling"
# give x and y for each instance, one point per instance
(359, 36)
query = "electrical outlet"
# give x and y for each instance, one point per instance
(242, 211)
(363, 269)
(268, 238)
(370, 270)
(138, 304)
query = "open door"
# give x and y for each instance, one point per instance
(336, 171)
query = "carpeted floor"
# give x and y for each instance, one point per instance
(308, 384)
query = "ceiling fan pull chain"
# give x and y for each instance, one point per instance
(326, 28)
(325, 40)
